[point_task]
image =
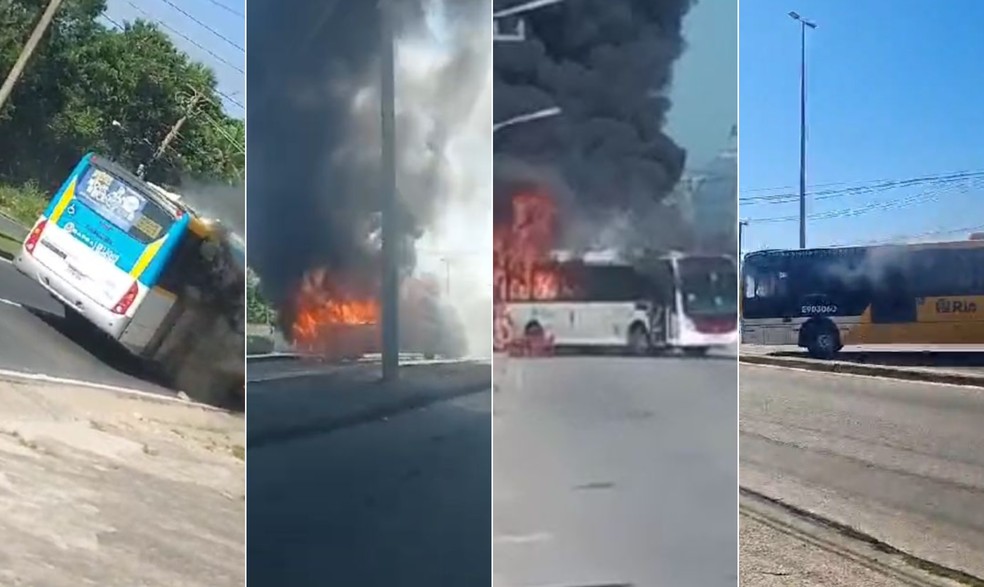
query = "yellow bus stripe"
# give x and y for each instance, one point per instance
(63, 203)
(146, 257)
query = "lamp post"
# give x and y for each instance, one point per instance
(804, 24)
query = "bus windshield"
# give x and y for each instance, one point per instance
(709, 286)
(125, 206)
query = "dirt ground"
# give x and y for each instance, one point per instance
(98, 488)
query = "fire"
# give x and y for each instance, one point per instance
(332, 321)
(522, 267)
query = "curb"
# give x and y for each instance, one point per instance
(850, 532)
(273, 356)
(843, 367)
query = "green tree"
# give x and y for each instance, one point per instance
(258, 310)
(91, 88)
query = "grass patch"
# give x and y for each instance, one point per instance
(9, 247)
(23, 203)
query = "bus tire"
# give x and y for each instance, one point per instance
(821, 339)
(639, 343)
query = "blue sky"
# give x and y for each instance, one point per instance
(209, 31)
(894, 92)
(705, 81)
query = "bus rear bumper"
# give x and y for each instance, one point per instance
(69, 296)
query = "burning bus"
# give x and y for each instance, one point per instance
(644, 301)
(338, 318)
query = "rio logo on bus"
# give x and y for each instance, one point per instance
(950, 306)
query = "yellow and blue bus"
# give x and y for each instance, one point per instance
(101, 246)
(923, 294)
(140, 265)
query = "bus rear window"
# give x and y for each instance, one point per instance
(120, 203)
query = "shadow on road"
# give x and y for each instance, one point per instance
(110, 353)
(624, 353)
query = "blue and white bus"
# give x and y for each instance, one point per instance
(100, 248)
(139, 264)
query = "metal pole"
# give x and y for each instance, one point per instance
(802, 194)
(32, 43)
(390, 289)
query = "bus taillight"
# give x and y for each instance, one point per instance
(127, 300)
(35, 236)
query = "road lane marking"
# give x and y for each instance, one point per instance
(11, 302)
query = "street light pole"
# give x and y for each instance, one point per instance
(802, 187)
(390, 232)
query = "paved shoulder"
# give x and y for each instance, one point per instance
(899, 461)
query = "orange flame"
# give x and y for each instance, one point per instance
(331, 322)
(522, 267)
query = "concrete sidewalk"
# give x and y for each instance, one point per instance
(101, 489)
(320, 401)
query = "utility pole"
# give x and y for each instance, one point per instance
(32, 43)
(802, 187)
(390, 232)
(172, 134)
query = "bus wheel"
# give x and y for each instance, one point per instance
(823, 341)
(639, 340)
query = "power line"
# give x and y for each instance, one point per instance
(227, 8)
(185, 37)
(901, 238)
(216, 90)
(865, 187)
(920, 198)
(203, 25)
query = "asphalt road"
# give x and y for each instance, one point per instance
(612, 471)
(35, 339)
(401, 499)
(899, 461)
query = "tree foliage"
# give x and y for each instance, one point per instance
(258, 309)
(89, 87)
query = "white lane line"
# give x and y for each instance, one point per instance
(41, 377)
(11, 303)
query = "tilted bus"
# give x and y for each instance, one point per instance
(825, 299)
(139, 265)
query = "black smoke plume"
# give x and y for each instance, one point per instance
(313, 132)
(608, 65)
